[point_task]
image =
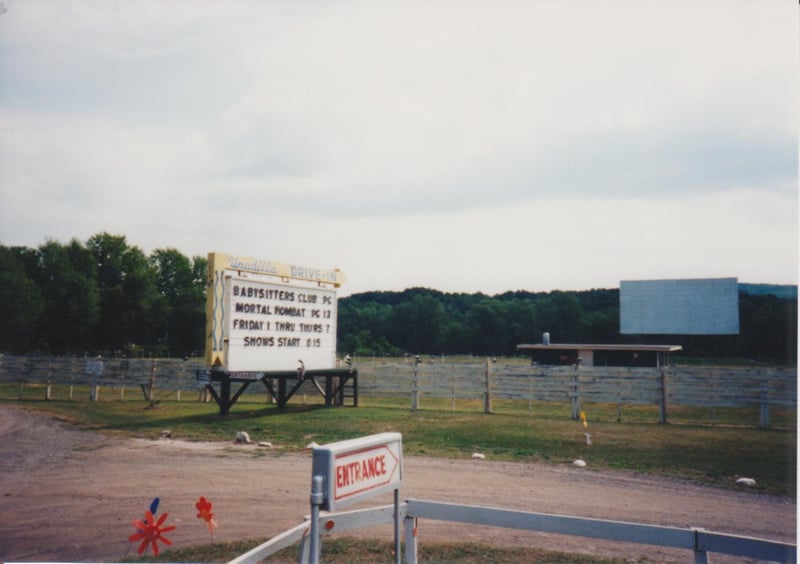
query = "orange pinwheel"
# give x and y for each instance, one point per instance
(204, 512)
(150, 531)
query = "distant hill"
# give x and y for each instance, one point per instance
(784, 291)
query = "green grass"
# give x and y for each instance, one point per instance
(353, 551)
(715, 452)
(515, 431)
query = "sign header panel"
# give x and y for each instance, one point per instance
(224, 261)
(358, 469)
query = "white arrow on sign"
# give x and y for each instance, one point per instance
(365, 470)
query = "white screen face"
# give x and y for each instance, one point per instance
(679, 307)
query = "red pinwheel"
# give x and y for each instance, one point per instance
(150, 531)
(204, 512)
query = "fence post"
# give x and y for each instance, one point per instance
(152, 383)
(575, 399)
(410, 529)
(487, 394)
(452, 390)
(662, 404)
(530, 393)
(147, 389)
(49, 387)
(415, 386)
(700, 555)
(764, 406)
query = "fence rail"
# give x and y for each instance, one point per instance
(704, 386)
(172, 374)
(699, 541)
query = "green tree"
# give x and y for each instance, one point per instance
(768, 328)
(559, 313)
(182, 288)
(66, 276)
(418, 325)
(21, 302)
(488, 327)
(130, 306)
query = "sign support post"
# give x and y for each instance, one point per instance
(397, 526)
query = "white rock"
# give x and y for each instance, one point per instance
(242, 437)
(746, 482)
(166, 434)
(265, 444)
(579, 463)
(312, 445)
(478, 455)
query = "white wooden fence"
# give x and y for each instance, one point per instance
(702, 386)
(119, 374)
(480, 379)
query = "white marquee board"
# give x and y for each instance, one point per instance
(266, 316)
(679, 307)
(272, 326)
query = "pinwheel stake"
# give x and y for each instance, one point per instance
(585, 424)
(204, 512)
(150, 532)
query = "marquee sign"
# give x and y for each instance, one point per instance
(263, 315)
(358, 469)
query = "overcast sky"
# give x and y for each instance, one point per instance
(462, 146)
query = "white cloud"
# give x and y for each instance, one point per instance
(569, 145)
(388, 110)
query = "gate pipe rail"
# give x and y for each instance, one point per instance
(700, 541)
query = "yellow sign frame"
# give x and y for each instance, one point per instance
(221, 263)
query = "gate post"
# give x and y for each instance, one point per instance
(317, 499)
(410, 528)
(700, 555)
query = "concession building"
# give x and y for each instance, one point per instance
(599, 355)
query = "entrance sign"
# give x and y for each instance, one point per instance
(263, 315)
(358, 469)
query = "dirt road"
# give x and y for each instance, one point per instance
(68, 495)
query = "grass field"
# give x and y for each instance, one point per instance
(354, 551)
(515, 431)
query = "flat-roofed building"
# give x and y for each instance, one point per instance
(599, 355)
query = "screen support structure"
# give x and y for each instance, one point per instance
(339, 385)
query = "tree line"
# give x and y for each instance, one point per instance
(108, 297)
(102, 297)
(425, 321)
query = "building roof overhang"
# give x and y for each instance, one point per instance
(579, 347)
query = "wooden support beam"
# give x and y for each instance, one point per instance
(288, 384)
